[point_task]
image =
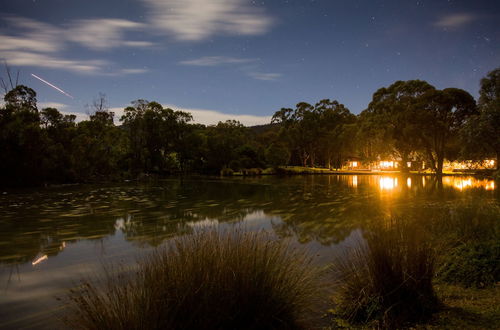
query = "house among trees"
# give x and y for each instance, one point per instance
(388, 164)
(472, 165)
(391, 164)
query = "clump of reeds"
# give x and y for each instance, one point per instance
(387, 278)
(208, 280)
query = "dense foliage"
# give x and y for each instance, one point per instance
(409, 120)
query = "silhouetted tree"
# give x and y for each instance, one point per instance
(156, 136)
(223, 142)
(392, 111)
(439, 116)
(481, 136)
(22, 142)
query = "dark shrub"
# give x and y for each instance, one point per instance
(387, 278)
(204, 281)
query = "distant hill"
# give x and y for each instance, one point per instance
(260, 129)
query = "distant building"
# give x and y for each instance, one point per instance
(356, 164)
(469, 165)
(393, 164)
(389, 164)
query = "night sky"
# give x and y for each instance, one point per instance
(244, 58)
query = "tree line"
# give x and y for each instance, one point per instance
(409, 120)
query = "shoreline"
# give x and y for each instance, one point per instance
(298, 170)
(283, 172)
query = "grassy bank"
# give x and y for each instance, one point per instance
(461, 308)
(466, 308)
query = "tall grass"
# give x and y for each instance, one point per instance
(387, 278)
(208, 280)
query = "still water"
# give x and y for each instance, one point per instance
(50, 238)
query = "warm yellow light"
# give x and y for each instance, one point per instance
(354, 180)
(462, 184)
(408, 164)
(354, 164)
(490, 185)
(386, 164)
(408, 182)
(388, 183)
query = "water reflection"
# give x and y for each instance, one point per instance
(388, 183)
(462, 183)
(49, 234)
(323, 209)
(354, 180)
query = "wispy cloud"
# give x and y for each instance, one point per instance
(31, 36)
(212, 117)
(216, 60)
(200, 116)
(34, 35)
(64, 109)
(9, 43)
(208, 117)
(26, 58)
(455, 20)
(194, 20)
(247, 65)
(39, 44)
(59, 106)
(91, 67)
(132, 71)
(104, 33)
(80, 116)
(266, 76)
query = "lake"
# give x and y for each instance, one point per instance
(50, 238)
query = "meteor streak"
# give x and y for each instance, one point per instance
(53, 86)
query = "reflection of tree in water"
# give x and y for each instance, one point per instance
(328, 209)
(312, 208)
(34, 224)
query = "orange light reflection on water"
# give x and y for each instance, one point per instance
(387, 183)
(490, 185)
(461, 183)
(455, 182)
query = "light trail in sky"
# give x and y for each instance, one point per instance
(53, 86)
